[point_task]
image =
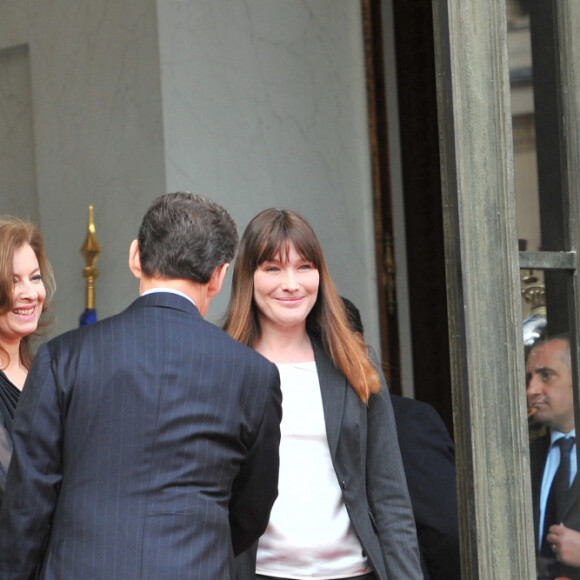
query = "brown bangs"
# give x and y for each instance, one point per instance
(275, 243)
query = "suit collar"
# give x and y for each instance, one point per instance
(333, 388)
(539, 448)
(169, 291)
(164, 299)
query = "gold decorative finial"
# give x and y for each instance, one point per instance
(534, 293)
(91, 250)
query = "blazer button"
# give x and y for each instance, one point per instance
(343, 485)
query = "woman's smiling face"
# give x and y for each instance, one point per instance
(285, 290)
(28, 297)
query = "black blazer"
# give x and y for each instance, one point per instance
(429, 460)
(367, 462)
(539, 448)
(145, 447)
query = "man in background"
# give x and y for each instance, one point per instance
(428, 457)
(553, 454)
(146, 445)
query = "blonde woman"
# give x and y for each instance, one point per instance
(25, 276)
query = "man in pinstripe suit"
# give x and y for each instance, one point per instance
(146, 445)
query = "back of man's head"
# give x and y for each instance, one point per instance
(353, 316)
(185, 236)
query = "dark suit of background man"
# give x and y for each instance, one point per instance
(428, 455)
(146, 445)
(549, 392)
(429, 460)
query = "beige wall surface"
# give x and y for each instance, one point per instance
(252, 102)
(95, 105)
(264, 105)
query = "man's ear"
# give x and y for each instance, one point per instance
(135, 260)
(217, 279)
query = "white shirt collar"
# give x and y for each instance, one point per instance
(555, 435)
(170, 291)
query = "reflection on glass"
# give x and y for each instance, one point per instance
(553, 455)
(534, 307)
(533, 48)
(523, 125)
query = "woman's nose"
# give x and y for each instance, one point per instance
(290, 282)
(26, 290)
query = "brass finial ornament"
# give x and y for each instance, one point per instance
(90, 250)
(534, 293)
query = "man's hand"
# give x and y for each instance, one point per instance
(565, 543)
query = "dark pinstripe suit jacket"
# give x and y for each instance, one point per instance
(145, 447)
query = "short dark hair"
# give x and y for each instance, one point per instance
(353, 316)
(185, 236)
(563, 336)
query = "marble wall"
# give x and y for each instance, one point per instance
(17, 159)
(255, 103)
(95, 95)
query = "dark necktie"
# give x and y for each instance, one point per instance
(558, 491)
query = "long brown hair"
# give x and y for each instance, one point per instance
(15, 233)
(267, 236)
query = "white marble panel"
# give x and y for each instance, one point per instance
(256, 103)
(18, 195)
(98, 139)
(264, 105)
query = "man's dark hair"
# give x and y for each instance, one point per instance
(546, 338)
(353, 316)
(185, 236)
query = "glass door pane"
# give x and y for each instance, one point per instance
(550, 398)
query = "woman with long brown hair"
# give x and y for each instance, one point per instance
(25, 278)
(343, 508)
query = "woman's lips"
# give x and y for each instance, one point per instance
(25, 311)
(289, 300)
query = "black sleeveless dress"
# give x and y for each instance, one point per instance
(9, 395)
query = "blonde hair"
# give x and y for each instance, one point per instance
(268, 235)
(15, 233)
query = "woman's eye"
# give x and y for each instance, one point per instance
(37, 278)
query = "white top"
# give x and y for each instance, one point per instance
(309, 534)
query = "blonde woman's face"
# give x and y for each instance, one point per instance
(28, 297)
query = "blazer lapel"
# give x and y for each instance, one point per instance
(333, 388)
